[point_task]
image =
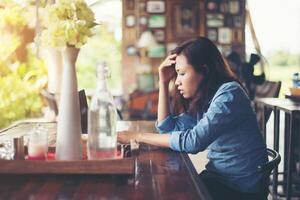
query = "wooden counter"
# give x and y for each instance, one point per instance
(159, 174)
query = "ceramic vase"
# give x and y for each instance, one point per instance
(68, 140)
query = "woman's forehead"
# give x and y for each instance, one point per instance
(181, 62)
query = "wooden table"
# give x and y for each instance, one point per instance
(291, 110)
(160, 174)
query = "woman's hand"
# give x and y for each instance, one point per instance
(161, 140)
(125, 137)
(166, 69)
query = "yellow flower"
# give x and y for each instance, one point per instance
(69, 22)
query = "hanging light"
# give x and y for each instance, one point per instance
(146, 40)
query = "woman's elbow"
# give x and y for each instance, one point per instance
(189, 143)
(193, 148)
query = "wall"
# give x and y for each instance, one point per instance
(223, 21)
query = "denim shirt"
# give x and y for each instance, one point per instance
(230, 132)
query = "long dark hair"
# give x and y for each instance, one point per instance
(206, 59)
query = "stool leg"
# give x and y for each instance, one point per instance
(276, 147)
(264, 123)
(289, 157)
(286, 144)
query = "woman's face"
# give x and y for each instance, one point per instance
(188, 80)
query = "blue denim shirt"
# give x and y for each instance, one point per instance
(230, 132)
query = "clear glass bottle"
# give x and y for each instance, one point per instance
(102, 120)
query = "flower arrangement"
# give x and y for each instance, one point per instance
(68, 23)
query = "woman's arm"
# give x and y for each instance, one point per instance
(229, 110)
(166, 73)
(163, 109)
(161, 140)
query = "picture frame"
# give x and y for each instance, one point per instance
(212, 34)
(237, 21)
(157, 21)
(158, 51)
(130, 5)
(212, 6)
(237, 35)
(130, 21)
(145, 82)
(155, 7)
(223, 7)
(142, 6)
(159, 35)
(185, 22)
(214, 20)
(228, 21)
(131, 50)
(224, 35)
(234, 7)
(143, 21)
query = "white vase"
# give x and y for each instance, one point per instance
(68, 140)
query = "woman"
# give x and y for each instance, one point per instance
(216, 115)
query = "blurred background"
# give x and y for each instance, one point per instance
(132, 39)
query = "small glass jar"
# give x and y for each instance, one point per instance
(38, 143)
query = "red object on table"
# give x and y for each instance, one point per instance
(51, 156)
(36, 158)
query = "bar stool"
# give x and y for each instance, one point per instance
(268, 167)
(292, 114)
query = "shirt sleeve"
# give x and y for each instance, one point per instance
(176, 123)
(228, 108)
